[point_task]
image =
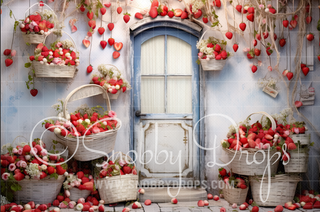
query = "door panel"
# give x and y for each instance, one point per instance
(166, 104)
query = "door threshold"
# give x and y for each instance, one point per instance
(160, 194)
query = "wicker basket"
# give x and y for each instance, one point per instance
(114, 96)
(304, 139)
(55, 71)
(298, 162)
(282, 189)
(40, 191)
(76, 194)
(35, 38)
(238, 159)
(102, 143)
(212, 64)
(118, 188)
(234, 195)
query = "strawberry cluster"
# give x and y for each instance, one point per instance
(56, 55)
(308, 199)
(79, 180)
(9, 54)
(36, 24)
(83, 124)
(90, 204)
(20, 163)
(212, 48)
(232, 179)
(29, 207)
(119, 167)
(112, 85)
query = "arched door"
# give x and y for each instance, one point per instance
(166, 106)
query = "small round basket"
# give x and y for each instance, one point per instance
(118, 188)
(298, 162)
(54, 70)
(239, 158)
(282, 189)
(304, 139)
(76, 194)
(234, 195)
(102, 142)
(35, 38)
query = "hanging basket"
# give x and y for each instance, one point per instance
(304, 139)
(234, 195)
(39, 191)
(212, 64)
(54, 70)
(114, 96)
(35, 38)
(298, 162)
(76, 194)
(118, 188)
(239, 164)
(282, 189)
(104, 141)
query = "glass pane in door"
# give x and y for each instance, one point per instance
(152, 56)
(152, 94)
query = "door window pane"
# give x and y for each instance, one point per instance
(179, 94)
(152, 56)
(152, 94)
(179, 56)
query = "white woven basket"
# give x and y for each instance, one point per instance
(304, 139)
(212, 64)
(55, 71)
(298, 162)
(40, 191)
(35, 38)
(239, 164)
(118, 188)
(103, 142)
(114, 96)
(282, 189)
(234, 195)
(76, 194)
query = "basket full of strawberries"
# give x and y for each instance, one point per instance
(87, 129)
(118, 180)
(27, 170)
(37, 26)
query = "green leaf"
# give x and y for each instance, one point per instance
(27, 65)
(10, 13)
(198, 62)
(16, 23)
(55, 175)
(54, 141)
(28, 44)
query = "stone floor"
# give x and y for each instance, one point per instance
(214, 206)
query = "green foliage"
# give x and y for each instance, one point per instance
(54, 175)
(27, 65)
(10, 13)
(198, 62)
(16, 23)
(30, 79)
(9, 186)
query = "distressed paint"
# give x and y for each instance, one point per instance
(232, 91)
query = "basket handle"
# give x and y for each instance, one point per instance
(25, 13)
(19, 136)
(74, 43)
(127, 156)
(90, 90)
(203, 34)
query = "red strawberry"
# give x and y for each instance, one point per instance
(282, 42)
(251, 10)
(111, 41)
(8, 62)
(254, 42)
(92, 24)
(255, 209)
(184, 15)
(254, 69)
(289, 75)
(31, 58)
(7, 52)
(126, 170)
(103, 10)
(302, 65)
(205, 19)
(33, 92)
(60, 170)
(18, 176)
(90, 68)
(90, 15)
(82, 8)
(222, 172)
(229, 35)
(218, 3)
(101, 30)
(115, 55)
(316, 204)
(293, 23)
(153, 12)
(126, 17)
(124, 89)
(250, 17)
(197, 14)
(103, 44)
(308, 19)
(235, 47)
(242, 26)
(275, 36)
(269, 51)
(177, 12)
(110, 26)
(217, 48)
(60, 198)
(272, 10)
(239, 8)
(292, 146)
(319, 57)
(119, 10)
(305, 70)
(308, 206)
(285, 23)
(250, 55)
(4, 163)
(257, 51)
(171, 13)
(80, 174)
(258, 36)
(310, 37)
(279, 208)
(138, 16)
(42, 175)
(265, 35)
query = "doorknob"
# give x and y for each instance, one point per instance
(138, 113)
